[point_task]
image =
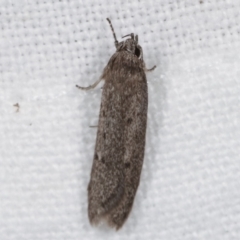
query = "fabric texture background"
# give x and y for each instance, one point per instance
(190, 180)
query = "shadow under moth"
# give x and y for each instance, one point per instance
(120, 142)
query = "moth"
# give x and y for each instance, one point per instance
(120, 142)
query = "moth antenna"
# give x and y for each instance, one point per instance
(129, 35)
(114, 35)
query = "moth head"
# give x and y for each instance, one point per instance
(131, 45)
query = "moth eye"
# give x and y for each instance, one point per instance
(137, 52)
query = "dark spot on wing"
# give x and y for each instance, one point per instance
(127, 165)
(129, 120)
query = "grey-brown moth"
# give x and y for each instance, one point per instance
(120, 143)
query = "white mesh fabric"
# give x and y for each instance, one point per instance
(190, 180)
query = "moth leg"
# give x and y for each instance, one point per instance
(149, 70)
(91, 86)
